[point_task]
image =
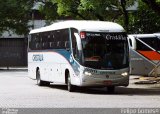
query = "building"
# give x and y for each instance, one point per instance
(13, 47)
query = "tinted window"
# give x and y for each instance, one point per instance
(58, 39)
(105, 50)
(154, 42)
(130, 42)
(141, 46)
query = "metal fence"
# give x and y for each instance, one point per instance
(13, 52)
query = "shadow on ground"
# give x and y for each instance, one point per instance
(118, 91)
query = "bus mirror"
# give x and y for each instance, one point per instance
(132, 42)
(78, 40)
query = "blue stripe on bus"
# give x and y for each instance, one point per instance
(67, 56)
(74, 65)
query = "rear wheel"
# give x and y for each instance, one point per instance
(39, 81)
(70, 87)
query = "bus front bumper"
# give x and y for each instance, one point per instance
(117, 80)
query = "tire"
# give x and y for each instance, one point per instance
(70, 87)
(111, 89)
(39, 81)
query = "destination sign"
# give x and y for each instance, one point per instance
(93, 34)
(107, 36)
(115, 37)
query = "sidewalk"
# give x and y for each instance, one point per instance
(13, 69)
(144, 82)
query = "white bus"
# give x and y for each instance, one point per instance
(145, 54)
(79, 53)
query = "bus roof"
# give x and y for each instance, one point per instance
(81, 25)
(157, 34)
(142, 35)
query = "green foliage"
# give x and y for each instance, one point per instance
(157, 1)
(145, 20)
(49, 10)
(65, 6)
(96, 9)
(14, 15)
(88, 9)
(69, 8)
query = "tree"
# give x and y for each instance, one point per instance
(104, 10)
(93, 9)
(153, 4)
(15, 15)
(49, 10)
(145, 20)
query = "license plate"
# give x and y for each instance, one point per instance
(108, 82)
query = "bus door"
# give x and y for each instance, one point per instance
(52, 68)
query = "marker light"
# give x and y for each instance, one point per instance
(82, 35)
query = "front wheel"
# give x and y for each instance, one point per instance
(69, 85)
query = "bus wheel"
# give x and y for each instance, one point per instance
(38, 77)
(111, 89)
(69, 85)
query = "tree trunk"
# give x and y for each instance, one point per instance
(125, 13)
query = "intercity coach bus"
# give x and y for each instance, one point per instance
(79, 53)
(145, 54)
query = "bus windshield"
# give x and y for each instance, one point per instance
(106, 51)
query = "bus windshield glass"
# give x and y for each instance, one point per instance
(108, 51)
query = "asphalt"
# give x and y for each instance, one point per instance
(136, 81)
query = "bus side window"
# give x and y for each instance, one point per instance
(153, 42)
(59, 44)
(141, 46)
(31, 46)
(34, 42)
(59, 37)
(45, 45)
(130, 42)
(64, 37)
(66, 44)
(51, 45)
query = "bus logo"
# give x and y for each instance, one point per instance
(37, 57)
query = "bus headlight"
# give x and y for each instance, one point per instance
(87, 73)
(124, 74)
